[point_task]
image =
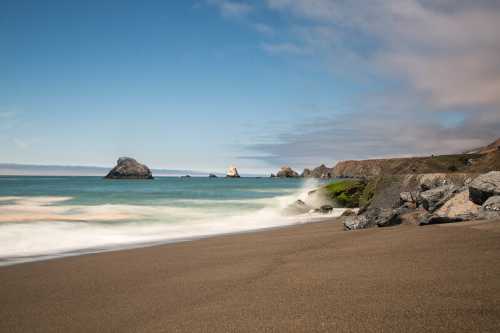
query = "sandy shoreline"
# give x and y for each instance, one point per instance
(310, 277)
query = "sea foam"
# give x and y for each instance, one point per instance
(34, 228)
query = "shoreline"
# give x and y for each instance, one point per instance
(126, 247)
(305, 277)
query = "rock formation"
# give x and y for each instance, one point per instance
(232, 172)
(322, 172)
(287, 172)
(212, 175)
(485, 186)
(129, 168)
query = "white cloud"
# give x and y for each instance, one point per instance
(450, 53)
(443, 54)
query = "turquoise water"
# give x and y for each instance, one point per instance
(46, 217)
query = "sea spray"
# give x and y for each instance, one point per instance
(74, 216)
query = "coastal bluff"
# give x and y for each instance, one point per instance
(129, 168)
(480, 160)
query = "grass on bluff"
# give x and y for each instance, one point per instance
(347, 193)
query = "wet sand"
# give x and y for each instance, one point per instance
(307, 278)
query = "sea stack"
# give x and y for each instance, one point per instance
(287, 172)
(129, 168)
(232, 172)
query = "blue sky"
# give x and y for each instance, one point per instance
(204, 84)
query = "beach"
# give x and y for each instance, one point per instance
(304, 278)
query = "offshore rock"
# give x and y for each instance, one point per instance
(232, 172)
(287, 172)
(129, 168)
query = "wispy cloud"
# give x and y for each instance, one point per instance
(229, 8)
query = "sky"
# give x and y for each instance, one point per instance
(203, 84)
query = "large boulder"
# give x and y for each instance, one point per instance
(435, 198)
(287, 172)
(490, 208)
(459, 207)
(129, 168)
(484, 186)
(232, 172)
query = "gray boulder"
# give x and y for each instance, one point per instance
(374, 217)
(484, 186)
(129, 168)
(435, 198)
(353, 222)
(491, 208)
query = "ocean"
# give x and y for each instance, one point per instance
(50, 217)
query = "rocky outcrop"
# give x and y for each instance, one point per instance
(287, 172)
(232, 172)
(129, 168)
(322, 172)
(485, 186)
(212, 175)
(420, 200)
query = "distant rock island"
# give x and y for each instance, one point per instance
(232, 172)
(286, 172)
(129, 168)
(320, 172)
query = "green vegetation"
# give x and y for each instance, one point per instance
(346, 193)
(368, 192)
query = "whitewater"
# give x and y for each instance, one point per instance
(49, 217)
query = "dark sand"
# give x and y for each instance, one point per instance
(309, 278)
